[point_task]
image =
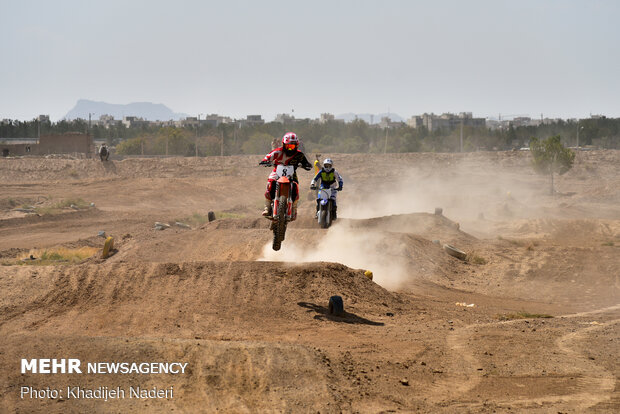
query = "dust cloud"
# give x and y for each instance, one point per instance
(475, 193)
(463, 192)
(356, 249)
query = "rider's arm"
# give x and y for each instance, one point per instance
(268, 159)
(305, 164)
(317, 177)
(339, 180)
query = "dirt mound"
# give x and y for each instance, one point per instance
(192, 294)
(567, 229)
(20, 170)
(199, 313)
(430, 226)
(60, 216)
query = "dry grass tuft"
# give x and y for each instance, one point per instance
(62, 205)
(55, 255)
(475, 259)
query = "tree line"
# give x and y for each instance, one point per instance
(353, 137)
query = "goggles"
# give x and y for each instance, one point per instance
(290, 147)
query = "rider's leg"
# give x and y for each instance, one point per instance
(333, 197)
(269, 195)
(295, 201)
(267, 209)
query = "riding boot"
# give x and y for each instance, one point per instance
(317, 209)
(335, 215)
(267, 210)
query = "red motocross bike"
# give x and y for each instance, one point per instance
(282, 204)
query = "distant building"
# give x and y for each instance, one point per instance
(325, 118)
(43, 118)
(386, 122)
(524, 121)
(134, 121)
(447, 121)
(214, 120)
(107, 121)
(251, 120)
(68, 143)
(284, 119)
(415, 121)
(190, 121)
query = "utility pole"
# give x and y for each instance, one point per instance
(461, 135)
(578, 129)
(387, 128)
(197, 129)
(222, 143)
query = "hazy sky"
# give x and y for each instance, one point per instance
(561, 58)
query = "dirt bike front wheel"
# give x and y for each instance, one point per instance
(279, 226)
(325, 214)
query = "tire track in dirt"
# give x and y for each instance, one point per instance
(599, 378)
(597, 385)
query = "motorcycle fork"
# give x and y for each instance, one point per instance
(285, 191)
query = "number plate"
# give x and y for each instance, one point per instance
(285, 171)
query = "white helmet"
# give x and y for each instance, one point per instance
(328, 165)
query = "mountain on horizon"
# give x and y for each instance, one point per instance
(146, 110)
(376, 118)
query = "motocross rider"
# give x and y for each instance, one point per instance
(104, 152)
(287, 154)
(329, 178)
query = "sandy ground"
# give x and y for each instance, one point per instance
(252, 324)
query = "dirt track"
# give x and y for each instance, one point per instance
(252, 324)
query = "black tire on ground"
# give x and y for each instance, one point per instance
(336, 306)
(211, 216)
